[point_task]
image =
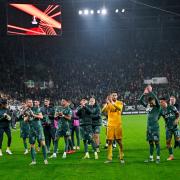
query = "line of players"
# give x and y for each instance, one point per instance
(50, 123)
(155, 109)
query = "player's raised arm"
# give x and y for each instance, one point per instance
(105, 106)
(88, 110)
(96, 113)
(156, 99)
(119, 106)
(141, 100)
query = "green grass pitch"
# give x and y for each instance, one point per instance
(136, 150)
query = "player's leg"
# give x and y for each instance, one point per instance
(121, 154)
(110, 138)
(106, 145)
(33, 155)
(41, 138)
(47, 137)
(24, 135)
(39, 145)
(118, 137)
(85, 141)
(46, 134)
(44, 150)
(169, 134)
(93, 144)
(177, 137)
(157, 144)
(157, 151)
(72, 137)
(66, 145)
(109, 151)
(96, 132)
(55, 135)
(32, 140)
(1, 139)
(8, 133)
(77, 130)
(169, 146)
(150, 139)
(151, 149)
(70, 146)
(25, 145)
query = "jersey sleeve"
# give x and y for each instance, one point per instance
(175, 111)
(142, 101)
(156, 99)
(106, 108)
(118, 106)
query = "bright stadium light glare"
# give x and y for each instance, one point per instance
(80, 12)
(86, 12)
(104, 11)
(117, 10)
(92, 11)
(98, 11)
(123, 10)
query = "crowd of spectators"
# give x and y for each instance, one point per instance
(78, 72)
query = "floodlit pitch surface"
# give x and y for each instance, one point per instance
(136, 150)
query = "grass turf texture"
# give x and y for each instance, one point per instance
(136, 150)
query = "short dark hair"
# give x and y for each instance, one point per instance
(28, 99)
(36, 99)
(66, 99)
(150, 99)
(163, 99)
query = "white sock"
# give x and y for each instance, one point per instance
(158, 157)
(151, 157)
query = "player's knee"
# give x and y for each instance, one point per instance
(168, 144)
(156, 142)
(32, 145)
(42, 143)
(119, 141)
(96, 136)
(110, 142)
(150, 142)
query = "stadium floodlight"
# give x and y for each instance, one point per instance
(80, 12)
(92, 11)
(98, 11)
(117, 10)
(86, 12)
(123, 10)
(104, 11)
